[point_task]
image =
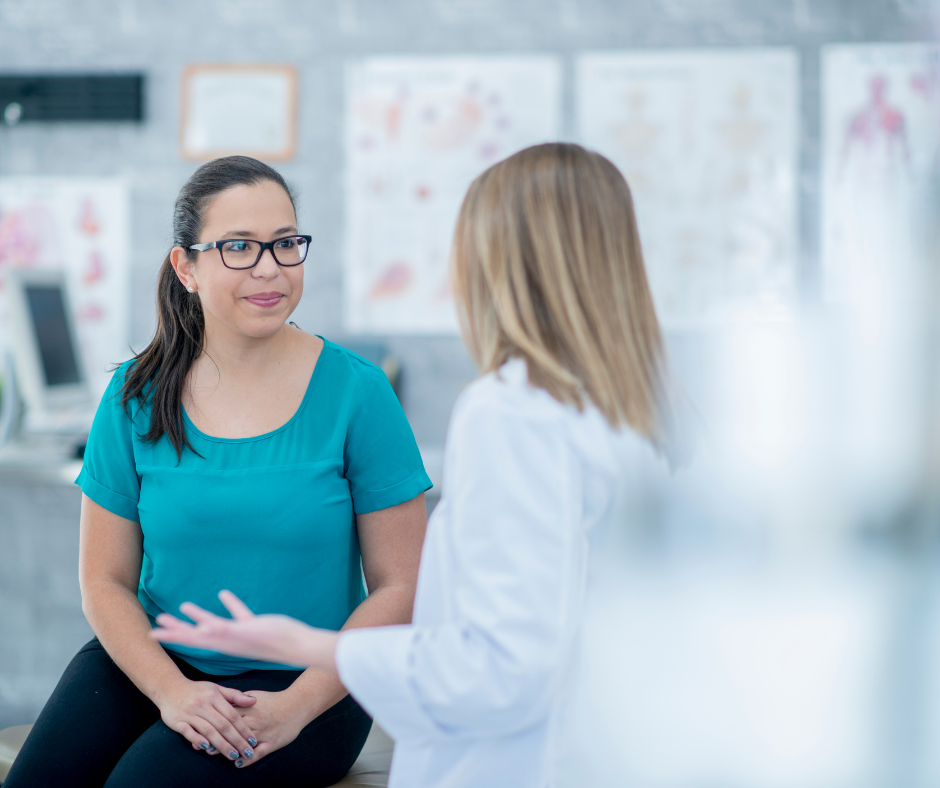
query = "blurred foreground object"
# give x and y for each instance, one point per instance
(771, 617)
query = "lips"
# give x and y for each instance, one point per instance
(266, 300)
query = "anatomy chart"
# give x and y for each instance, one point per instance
(707, 141)
(881, 143)
(418, 131)
(80, 226)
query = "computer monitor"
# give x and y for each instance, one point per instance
(49, 366)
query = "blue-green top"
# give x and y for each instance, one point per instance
(272, 517)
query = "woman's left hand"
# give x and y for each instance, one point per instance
(276, 721)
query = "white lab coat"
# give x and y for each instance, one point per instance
(475, 691)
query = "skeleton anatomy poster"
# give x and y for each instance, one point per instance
(418, 131)
(708, 141)
(881, 144)
(79, 226)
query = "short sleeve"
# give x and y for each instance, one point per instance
(382, 461)
(109, 472)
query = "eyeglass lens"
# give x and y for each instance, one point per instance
(244, 254)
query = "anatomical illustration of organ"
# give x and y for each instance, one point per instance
(419, 130)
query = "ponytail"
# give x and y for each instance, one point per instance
(159, 373)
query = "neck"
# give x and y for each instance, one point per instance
(236, 355)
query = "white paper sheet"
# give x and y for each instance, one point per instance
(80, 226)
(707, 140)
(881, 142)
(418, 131)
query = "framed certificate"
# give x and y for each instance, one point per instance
(232, 109)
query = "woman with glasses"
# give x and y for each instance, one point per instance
(235, 451)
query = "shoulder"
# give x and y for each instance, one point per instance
(112, 413)
(136, 409)
(505, 399)
(122, 371)
(115, 387)
(353, 385)
(344, 359)
(345, 366)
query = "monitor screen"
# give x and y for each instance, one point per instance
(50, 321)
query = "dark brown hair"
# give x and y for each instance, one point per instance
(159, 372)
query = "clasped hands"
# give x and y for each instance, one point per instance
(244, 727)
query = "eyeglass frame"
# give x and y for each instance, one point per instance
(264, 246)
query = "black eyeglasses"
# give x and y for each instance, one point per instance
(240, 254)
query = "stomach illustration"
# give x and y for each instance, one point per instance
(454, 126)
(394, 280)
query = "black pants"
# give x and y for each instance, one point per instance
(98, 729)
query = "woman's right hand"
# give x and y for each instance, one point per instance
(205, 715)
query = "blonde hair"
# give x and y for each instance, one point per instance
(548, 267)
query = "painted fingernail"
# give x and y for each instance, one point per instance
(211, 749)
(204, 745)
(249, 753)
(252, 741)
(233, 754)
(239, 764)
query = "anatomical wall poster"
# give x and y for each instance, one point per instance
(79, 226)
(708, 142)
(418, 131)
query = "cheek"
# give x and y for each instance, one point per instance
(213, 305)
(217, 292)
(296, 279)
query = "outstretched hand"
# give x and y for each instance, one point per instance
(269, 637)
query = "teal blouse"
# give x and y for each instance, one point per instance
(272, 517)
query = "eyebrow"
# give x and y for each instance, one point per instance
(248, 234)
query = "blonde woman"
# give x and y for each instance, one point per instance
(556, 311)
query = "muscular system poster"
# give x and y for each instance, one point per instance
(708, 141)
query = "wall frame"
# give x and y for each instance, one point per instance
(212, 120)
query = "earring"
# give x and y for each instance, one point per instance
(190, 289)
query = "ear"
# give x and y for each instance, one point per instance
(183, 266)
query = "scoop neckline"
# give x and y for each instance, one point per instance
(303, 403)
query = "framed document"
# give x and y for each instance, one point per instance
(246, 109)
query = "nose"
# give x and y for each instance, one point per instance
(267, 267)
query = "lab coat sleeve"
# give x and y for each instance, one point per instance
(514, 544)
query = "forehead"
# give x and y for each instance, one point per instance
(261, 206)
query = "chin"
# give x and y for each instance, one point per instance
(262, 327)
